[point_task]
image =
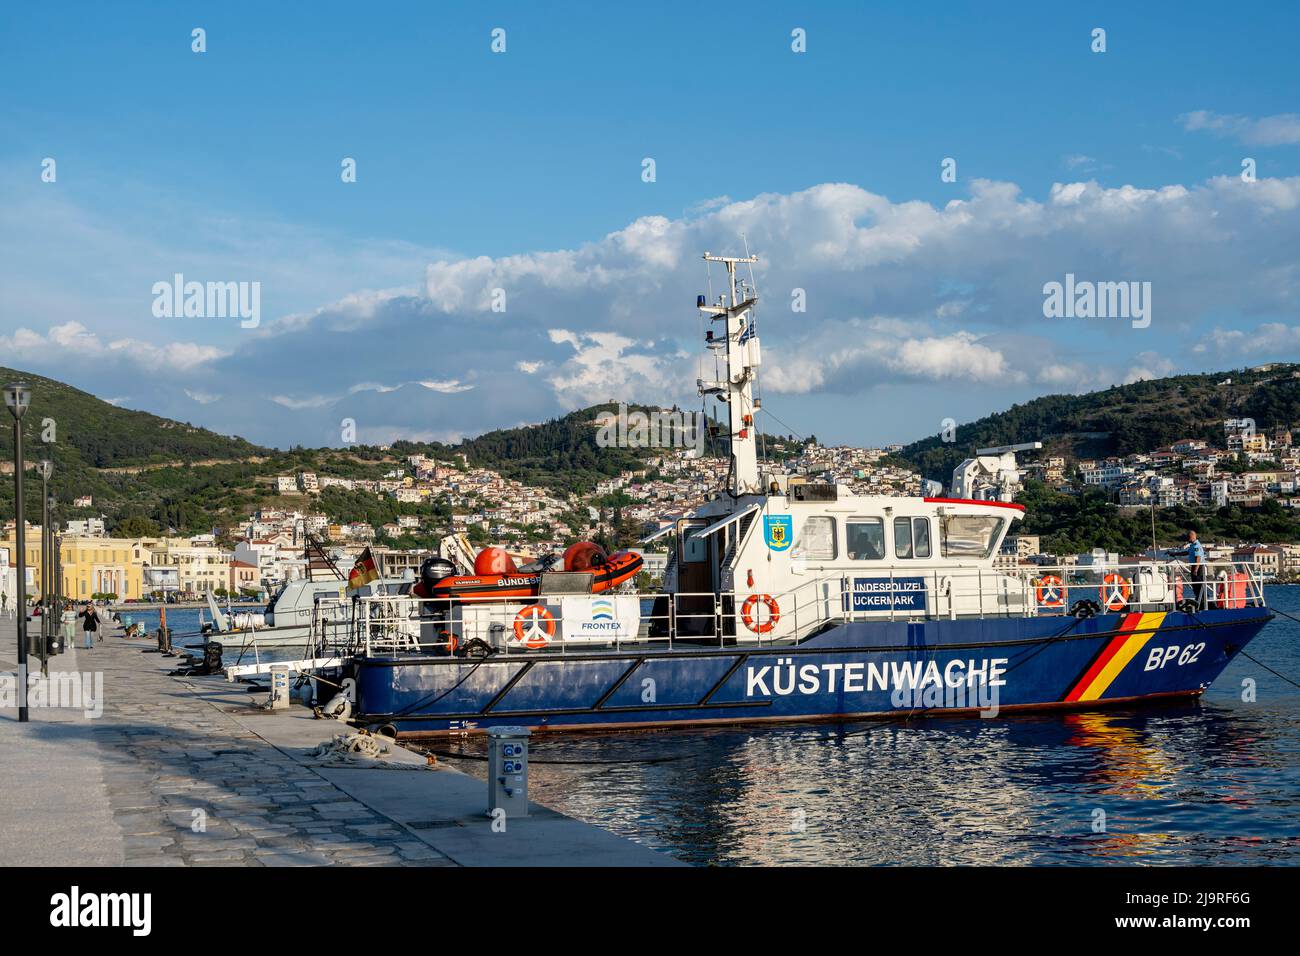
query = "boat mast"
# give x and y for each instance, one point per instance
(736, 390)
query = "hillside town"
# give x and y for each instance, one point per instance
(1250, 467)
(455, 499)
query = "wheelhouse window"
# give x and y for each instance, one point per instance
(816, 541)
(694, 547)
(865, 538)
(912, 537)
(970, 536)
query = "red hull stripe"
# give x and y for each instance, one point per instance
(972, 501)
(1116, 642)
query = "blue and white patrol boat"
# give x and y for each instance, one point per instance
(789, 600)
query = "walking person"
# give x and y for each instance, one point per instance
(4, 603)
(89, 625)
(1196, 560)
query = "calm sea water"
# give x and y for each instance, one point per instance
(1215, 781)
(182, 620)
(186, 621)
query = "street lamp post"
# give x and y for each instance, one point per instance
(17, 397)
(45, 468)
(56, 608)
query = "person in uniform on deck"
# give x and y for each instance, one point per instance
(1196, 558)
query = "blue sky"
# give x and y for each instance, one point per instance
(522, 171)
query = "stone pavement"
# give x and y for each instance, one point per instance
(187, 772)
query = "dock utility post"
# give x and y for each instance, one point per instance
(992, 475)
(508, 771)
(279, 686)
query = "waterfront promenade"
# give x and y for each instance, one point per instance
(188, 772)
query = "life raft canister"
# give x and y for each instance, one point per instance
(1230, 590)
(1240, 589)
(1049, 591)
(773, 613)
(1115, 591)
(534, 626)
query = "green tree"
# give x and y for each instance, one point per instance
(136, 526)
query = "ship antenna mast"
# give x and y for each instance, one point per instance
(736, 387)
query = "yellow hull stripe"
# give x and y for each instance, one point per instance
(1133, 643)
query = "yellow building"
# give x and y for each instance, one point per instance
(199, 568)
(90, 565)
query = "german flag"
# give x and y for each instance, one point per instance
(363, 572)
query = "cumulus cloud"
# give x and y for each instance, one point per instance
(353, 312)
(1269, 339)
(1080, 163)
(449, 387)
(1148, 365)
(297, 403)
(896, 294)
(71, 339)
(606, 365)
(894, 354)
(1282, 129)
(856, 253)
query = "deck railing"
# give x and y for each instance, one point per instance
(508, 626)
(1031, 591)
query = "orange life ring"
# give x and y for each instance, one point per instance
(1049, 591)
(540, 626)
(773, 613)
(1115, 591)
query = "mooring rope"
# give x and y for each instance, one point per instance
(1242, 651)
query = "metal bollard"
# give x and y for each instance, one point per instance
(508, 770)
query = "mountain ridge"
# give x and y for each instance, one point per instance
(144, 471)
(1123, 419)
(130, 437)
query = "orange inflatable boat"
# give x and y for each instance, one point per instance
(496, 576)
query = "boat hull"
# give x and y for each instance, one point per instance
(297, 636)
(849, 671)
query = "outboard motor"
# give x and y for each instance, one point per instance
(434, 570)
(434, 613)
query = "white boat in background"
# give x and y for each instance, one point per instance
(309, 615)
